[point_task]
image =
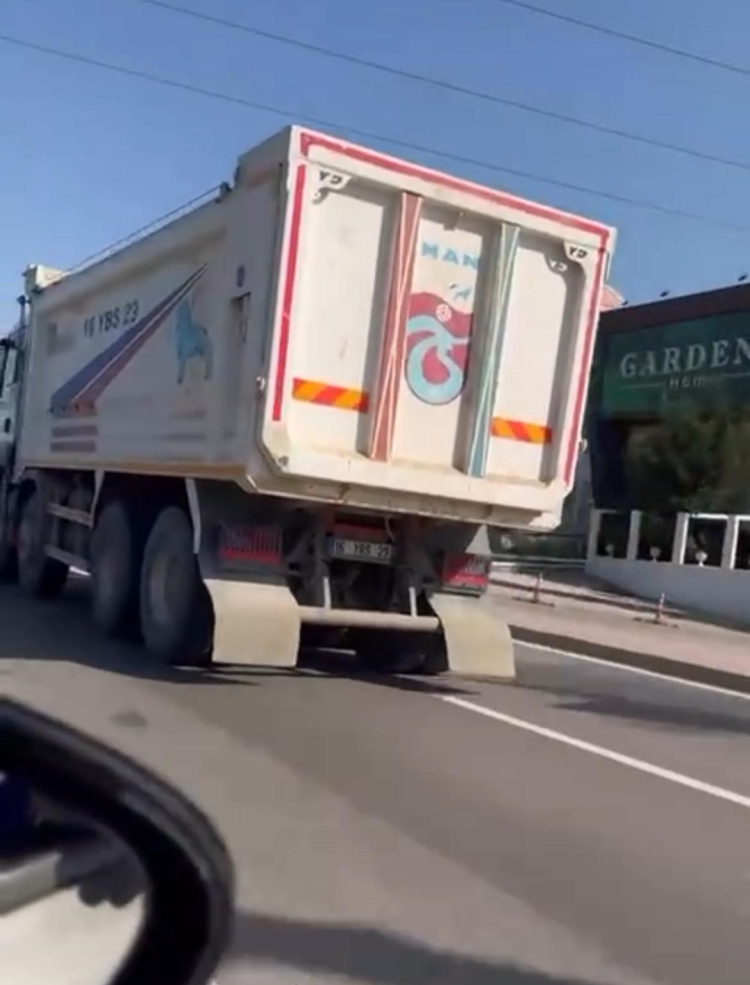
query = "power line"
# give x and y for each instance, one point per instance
(626, 36)
(447, 86)
(366, 134)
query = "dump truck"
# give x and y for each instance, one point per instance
(288, 416)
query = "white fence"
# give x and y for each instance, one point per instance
(722, 590)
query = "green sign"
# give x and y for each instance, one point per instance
(704, 362)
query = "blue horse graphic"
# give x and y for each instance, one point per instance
(192, 342)
(460, 293)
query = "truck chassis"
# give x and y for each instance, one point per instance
(203, 571)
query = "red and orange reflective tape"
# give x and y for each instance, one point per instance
(348, 398)
(314, 392)
(533, 434)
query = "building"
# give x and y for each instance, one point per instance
(578, 505)
(670, 373)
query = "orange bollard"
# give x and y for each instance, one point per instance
(659, 616)
(537, 593)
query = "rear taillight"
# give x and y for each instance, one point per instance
(465, 572)
(251, 544)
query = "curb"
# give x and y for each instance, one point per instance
(631, 658)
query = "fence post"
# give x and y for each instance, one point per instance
(595, 526)
(729, 545)
(679, 541)
(634, 535)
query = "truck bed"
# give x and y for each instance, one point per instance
(341, 325)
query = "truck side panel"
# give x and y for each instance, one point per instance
(148, 362)
(124, 374)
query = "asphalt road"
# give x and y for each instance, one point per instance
(586, 825)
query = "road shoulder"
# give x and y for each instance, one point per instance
(623, 630)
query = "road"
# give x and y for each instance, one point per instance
(586, 825)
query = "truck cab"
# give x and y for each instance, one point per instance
(10, 381)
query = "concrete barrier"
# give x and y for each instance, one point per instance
(722, 592)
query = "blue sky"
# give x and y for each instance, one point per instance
(88, 156)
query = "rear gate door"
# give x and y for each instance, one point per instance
(430, 346)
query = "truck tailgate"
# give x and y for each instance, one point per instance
(431, 335)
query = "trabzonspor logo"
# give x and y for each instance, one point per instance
(437, 349)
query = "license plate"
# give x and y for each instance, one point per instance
(360, 550)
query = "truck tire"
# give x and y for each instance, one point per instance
(430, 654)
(8, 553)
(8, 560)
(39, 575)
(176, 610)
(116, 554)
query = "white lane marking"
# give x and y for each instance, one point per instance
(628, 668)
(590, 747)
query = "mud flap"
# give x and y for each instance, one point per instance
(257, 622)
(477, 638)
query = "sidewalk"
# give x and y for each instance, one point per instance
(577, 614)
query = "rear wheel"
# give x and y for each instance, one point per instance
(38, 574)
(8, 559)
(431, 654)
(8, 553)
(175, 607)
(116, 553)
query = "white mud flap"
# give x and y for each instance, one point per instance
(477, 638)
(257, 623)
(257, 617)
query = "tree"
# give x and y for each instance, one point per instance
(693, 463)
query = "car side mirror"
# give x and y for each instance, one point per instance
(107, 874)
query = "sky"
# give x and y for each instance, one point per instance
(87, 156)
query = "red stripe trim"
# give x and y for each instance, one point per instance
(393, 346)
(308, 140)
(288, 292)
(596, 290)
